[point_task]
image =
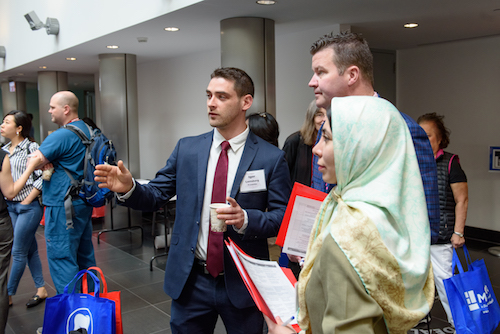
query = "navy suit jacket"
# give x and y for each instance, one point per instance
(184, 175)
(428, 171)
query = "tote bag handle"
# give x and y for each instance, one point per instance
(456, 261)
(78, 276)
(104, 285)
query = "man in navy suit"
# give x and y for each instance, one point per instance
(257, 208)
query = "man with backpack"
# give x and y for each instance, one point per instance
(68, 228)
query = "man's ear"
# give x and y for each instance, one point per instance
(247, 101)
(66, 109)
(353, 74)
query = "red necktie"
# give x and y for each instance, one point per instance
(215, 251)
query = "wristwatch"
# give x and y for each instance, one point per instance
(458, 233)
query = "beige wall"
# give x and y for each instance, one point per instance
(461, 81)
(172, 105)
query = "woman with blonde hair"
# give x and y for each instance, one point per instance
(298, 146)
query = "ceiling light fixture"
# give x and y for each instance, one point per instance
(42, 67)
(266, 2)
(173, 29)
(70, 58)
(112, 46)
(411, 25)
(51, 25)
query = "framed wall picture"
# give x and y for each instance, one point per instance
(495, 158)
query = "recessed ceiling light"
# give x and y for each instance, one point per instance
(411, 25)
(70, 58)
(171, 29)
(42, 67)
(112, 46)
(266, 2)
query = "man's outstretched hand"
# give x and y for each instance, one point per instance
(115, 178)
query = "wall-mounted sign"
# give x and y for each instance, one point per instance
(495, 158)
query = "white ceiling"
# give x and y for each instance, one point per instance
(380, 21)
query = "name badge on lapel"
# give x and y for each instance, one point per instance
(254, 180)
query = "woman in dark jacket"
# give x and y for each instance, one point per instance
(298, 153)
(298, 146)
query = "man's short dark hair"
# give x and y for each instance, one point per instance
(243, 84)
(350, 49)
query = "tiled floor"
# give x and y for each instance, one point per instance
(124, 259)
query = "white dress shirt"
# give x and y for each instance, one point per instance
(234, 154)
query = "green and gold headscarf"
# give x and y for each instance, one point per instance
(377, 213)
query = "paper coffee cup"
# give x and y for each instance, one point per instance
(216, 224)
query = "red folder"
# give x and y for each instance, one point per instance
(302, 191)
(252, 289)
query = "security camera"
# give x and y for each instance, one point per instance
(52, 26)
(33, 20)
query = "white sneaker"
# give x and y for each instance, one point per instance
(39, 330)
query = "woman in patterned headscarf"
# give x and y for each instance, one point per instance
(367, 268)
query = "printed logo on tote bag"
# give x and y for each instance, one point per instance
(80, 318)
(483, 299)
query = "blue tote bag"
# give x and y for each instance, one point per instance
(472, 302)
(71, 311)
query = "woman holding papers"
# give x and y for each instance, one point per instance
(367, 268)
(298, 153)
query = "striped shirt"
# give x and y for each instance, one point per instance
(18, 160)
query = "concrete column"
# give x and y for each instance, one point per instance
(117, 114)
(13, 100)
(248, 43)
(49, 83)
